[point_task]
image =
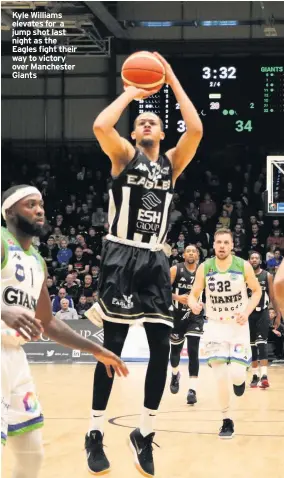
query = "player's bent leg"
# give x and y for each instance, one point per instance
(141, 439)
(193, 367)
(28, 452)
(176, 348)
(114, 338)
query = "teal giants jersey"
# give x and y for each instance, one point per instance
(226, 292)
(22, 277)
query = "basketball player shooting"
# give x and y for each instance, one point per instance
(226, 337)
(259, 323)
(186, 324)
(135, 277)
(26, 313)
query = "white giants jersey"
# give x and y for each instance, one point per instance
(226, 292)
(22, 277)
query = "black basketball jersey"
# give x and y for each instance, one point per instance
(264, 301)
(140, 199)
(182, 284)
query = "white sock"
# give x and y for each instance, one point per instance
(175, 370)
(193, 383)
(148, 418)
(97, 421)
(224, 387)
(255, 371)
(263, 370)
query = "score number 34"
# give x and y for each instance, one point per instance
(243, 126)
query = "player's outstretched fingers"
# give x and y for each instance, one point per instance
(109, 372)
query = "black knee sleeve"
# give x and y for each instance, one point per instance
(262, 351)
(193, 355)
(158, 336)
(175, 354)
(254, 355)
(114, 338)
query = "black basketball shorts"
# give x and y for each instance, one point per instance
(259, 327)
(186, 323)
(134, 286)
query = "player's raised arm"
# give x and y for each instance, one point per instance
(119, 150)
(255, 288)
(60, 332)
(186, 147)
(279, 288)
(196, 291)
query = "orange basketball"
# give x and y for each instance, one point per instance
(143, 70)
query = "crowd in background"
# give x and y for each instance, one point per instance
(76, 204)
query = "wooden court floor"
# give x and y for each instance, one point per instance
(188, 436)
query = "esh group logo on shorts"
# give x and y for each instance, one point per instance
(30, 402)
(239, 348)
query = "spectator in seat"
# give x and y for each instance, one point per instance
(94, 241)
(275, 239)
(228, 206)
(276, 261)
(87, 289)
(70, 216)
(57, 234)
(255, 246)
(180, 245)
(72, 236)
(175, 215)
(65, 312)
(82, 243)
(83, 306)
(56, 301)
(85, 217)
(239, 239)
(80, 263)
(64, 254)
(276, 225)
(99, 218)
(199, 236)
(72, 287)
(49, 252)
(95, 271)
(255, 232)
(224, 219)
(192, 211)
(51, 287)
(240, 221)
(175, 257)
(208, 206)
(95, 296)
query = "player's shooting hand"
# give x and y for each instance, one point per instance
(110, 360)
(27, 327)
(241, 318)
(139, 93)
(168, 69)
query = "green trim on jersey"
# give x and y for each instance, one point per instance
(5, 236)
(238, 265)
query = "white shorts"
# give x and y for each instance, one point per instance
(227, 342)
(20, 408)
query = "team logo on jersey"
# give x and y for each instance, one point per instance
(211, 287)
(233, 276)
(20, 273)
(31, 403)
(150, 200)
(239, 348)
(17, 256)
(125, 303)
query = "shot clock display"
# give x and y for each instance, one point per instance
(240, 100)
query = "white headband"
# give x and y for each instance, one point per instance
(17, 196)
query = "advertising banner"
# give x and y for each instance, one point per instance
(135, 348)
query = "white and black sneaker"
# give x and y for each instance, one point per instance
(174, 385)
(227, 429)
(142, 448)
(191, 397)
(98, 463)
